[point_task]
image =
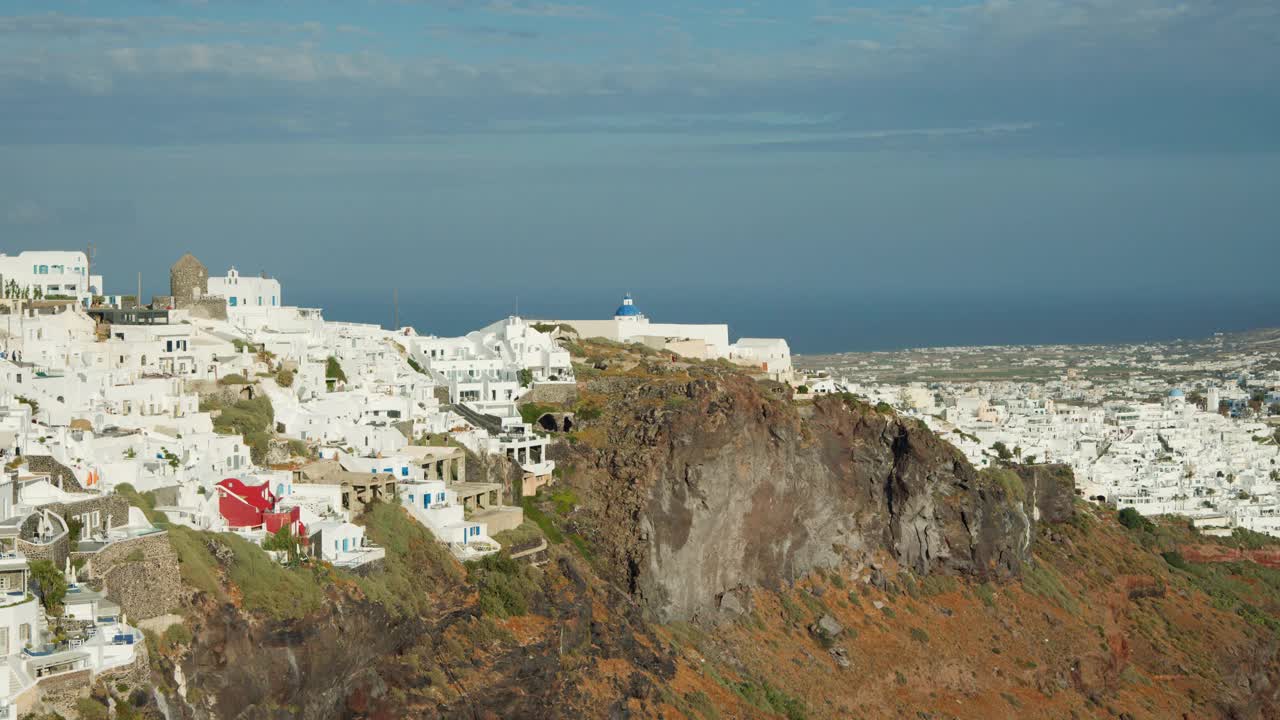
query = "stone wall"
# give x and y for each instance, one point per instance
(58, 693)
(141, 574)
(136, 674)
(369, 568)
(115, 507)
(54, 551)
(551, 393)
(57, 471)
(209, 308)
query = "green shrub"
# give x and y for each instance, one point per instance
(530, 412)
(51, 583)
(1251, 540)
(74, 528)
(1134, 520)
(284, 378)
(770, 699)
(254, 420)
(333, 370)
(233, 379)
(919, 635)
(504, 587)
(177, 634)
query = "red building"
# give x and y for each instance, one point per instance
(291, 518)
(244, 506)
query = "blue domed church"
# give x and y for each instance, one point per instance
(627, 309)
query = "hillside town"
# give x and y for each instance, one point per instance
(219, 407)
(1185, 428)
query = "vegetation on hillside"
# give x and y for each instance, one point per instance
(1006, 479)
(417, 567)
(253, 419)
(333, 370)
(505, 586)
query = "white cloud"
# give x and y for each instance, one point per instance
(541, 9)
(58, 25)
(1025, 55)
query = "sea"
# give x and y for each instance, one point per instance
(826, 322)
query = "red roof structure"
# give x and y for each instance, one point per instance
(244, 505)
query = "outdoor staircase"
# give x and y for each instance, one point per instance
(490, 423)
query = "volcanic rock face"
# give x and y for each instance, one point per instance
(705, 486)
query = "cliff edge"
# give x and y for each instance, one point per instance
(701, 486)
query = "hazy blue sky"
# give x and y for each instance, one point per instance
(874, 149)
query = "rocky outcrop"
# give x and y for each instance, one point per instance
(707, 485)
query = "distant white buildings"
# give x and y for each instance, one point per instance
(771, 356)
(35, 274)
(246, 294)
(494, 365)
(628, 324)
(1159, 457)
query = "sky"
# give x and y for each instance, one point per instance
(805, 155)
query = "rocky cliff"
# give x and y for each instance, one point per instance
(850, 562)
(697, 487)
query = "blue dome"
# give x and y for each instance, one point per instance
(1175, 393)
(627, 308)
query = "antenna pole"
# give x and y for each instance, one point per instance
(88, 272)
